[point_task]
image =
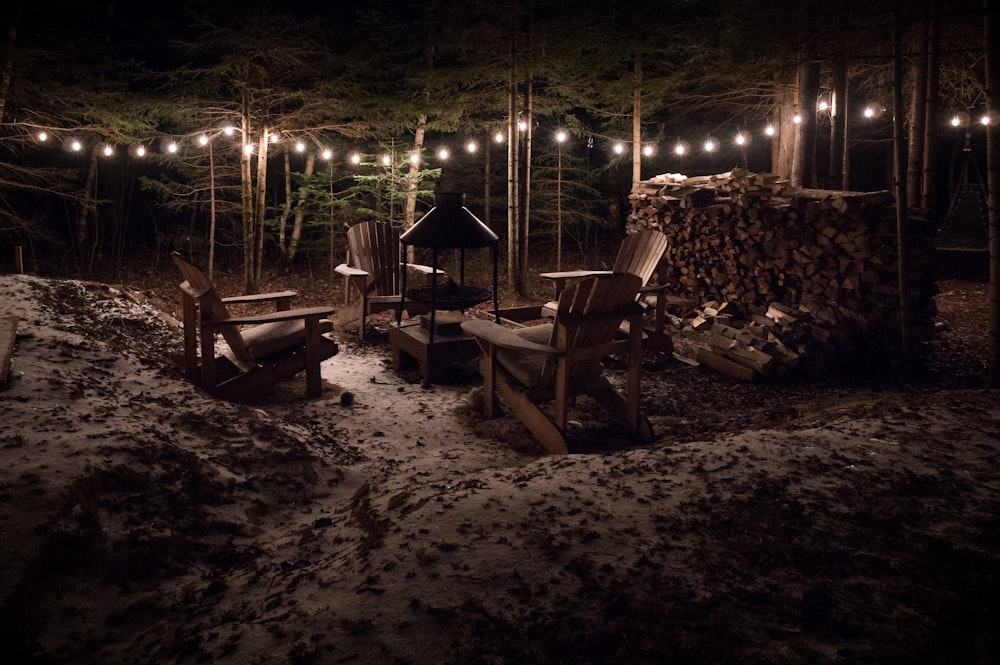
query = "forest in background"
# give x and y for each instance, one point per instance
(251, 135)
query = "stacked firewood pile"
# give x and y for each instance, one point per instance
(790, 278)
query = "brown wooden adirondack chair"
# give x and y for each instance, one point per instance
(263, 349)
(639, 254)
(373, 271)
(556, 361)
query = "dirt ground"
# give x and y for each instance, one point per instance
(777, 522)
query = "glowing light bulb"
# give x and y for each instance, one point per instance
(42, 136)
(741, 139)
(273, 138)
(140, 151)
(561, 136)
(386, 160)
(985, 120)
(647, 150)
(471, 147)
(300, 147)
(355, 158)
(414, 158)
(327, 154)
(679, 149)
(522, 125)
(769, 130)
(172, 148)
(443, 153)
(76, 146)
(797, 119)
(202, 140)
(248, 149)
(228, 130)
(498, 137)
(823, 105)
(709, 145)
(955, 121)
(108, 151)
(869, 112)
(619, 148)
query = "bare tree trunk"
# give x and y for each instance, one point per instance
(899, 173)
(8, 57)
(917, 114)
(928, 199)
(524, 215)
(804, 161)
(413, 182)
(260, 207)
(513, 196)
(211, 210)
(637, 123)
(839, 154)
(246, 200)
(286, 210)
(300, 213)
(783, 147)
(992, 46)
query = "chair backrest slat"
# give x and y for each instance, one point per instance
(592, 296)
(374, 247)
(640, 253)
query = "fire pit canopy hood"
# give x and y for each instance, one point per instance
(449, 225)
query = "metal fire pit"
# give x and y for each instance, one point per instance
(450, 296)
(449, 225)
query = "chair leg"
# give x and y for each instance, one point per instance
(548, 434)
(314, 383)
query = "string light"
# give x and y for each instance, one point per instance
(741, 139)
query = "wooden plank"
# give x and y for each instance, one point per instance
(726, 366)
(8, 335)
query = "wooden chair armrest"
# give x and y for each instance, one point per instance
(654, 288)
(419, 267)
(573, 274)
(261, 297)
(349, 271)
(499, 336)
(287, 315)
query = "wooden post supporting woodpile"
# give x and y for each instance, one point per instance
(811, 270)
